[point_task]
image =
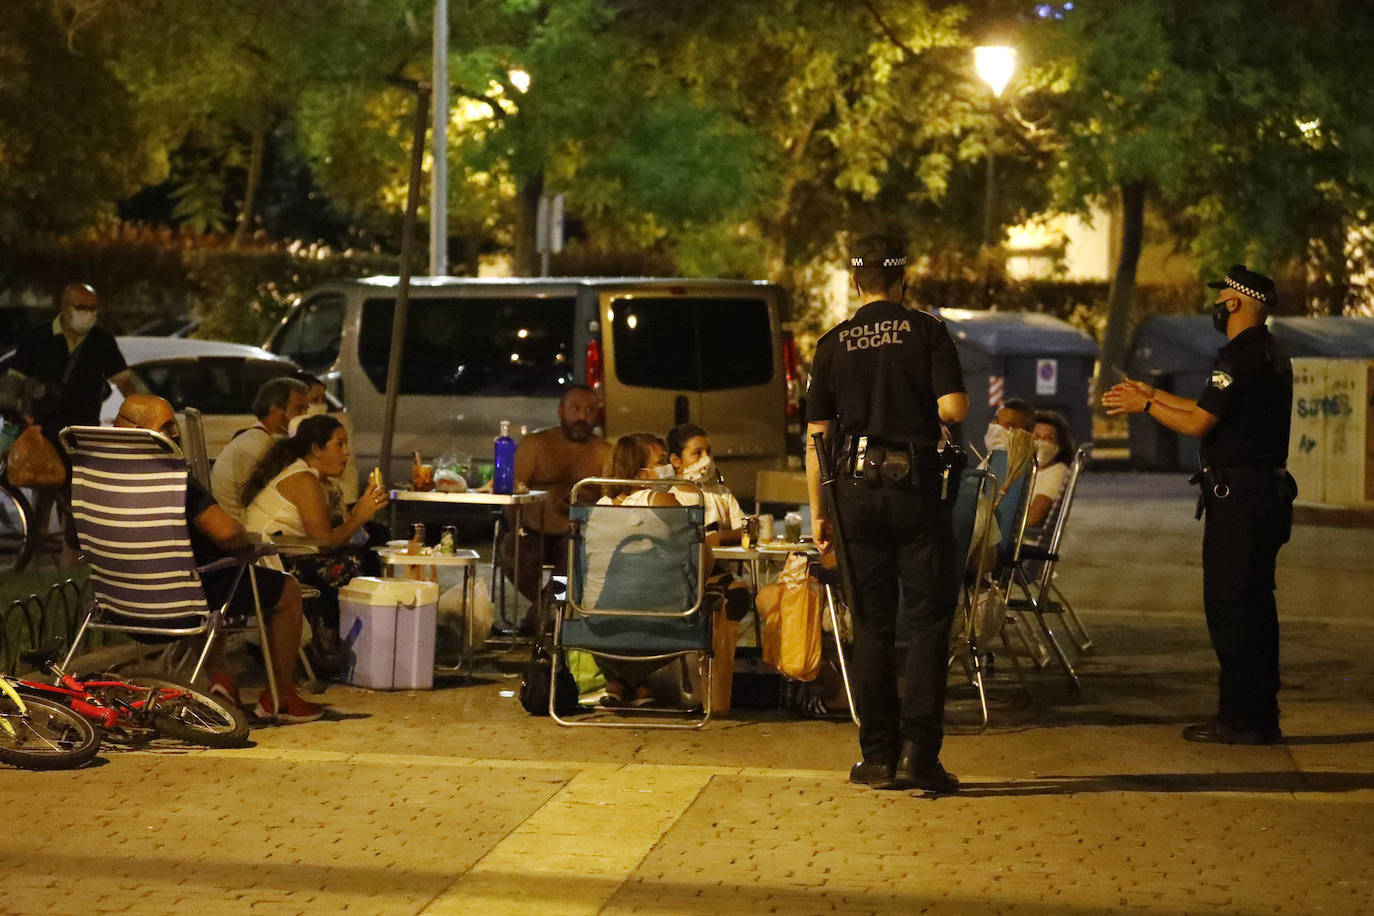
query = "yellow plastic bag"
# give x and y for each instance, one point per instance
(791, 610)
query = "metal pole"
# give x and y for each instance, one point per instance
(990, 195)
(438, 188)
(398, 319)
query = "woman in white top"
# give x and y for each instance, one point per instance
(285, 494)
(1054, 451)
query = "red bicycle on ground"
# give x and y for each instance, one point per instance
(139, 706)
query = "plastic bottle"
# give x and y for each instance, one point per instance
(503, 462)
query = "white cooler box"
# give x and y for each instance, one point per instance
(388, 625)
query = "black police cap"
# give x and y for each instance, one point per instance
(1252, 283)
(878, 251)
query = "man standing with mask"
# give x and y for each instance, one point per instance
(1243, 418)
(882, 383)
(553, 460)
(68, 369)
(69, 365)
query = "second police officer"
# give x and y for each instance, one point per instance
(882, 383)
(1243, 418)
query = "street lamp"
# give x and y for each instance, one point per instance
(994, 64)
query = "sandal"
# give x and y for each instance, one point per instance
(615, 694)
(643, 696)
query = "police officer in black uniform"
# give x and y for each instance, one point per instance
(881, 385)
(1243, 417)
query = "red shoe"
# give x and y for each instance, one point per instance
(223, 685)
(293, 711)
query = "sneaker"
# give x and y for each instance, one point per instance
(222, 685)
(294, 711)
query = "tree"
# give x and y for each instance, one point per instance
(70, 140)
(1200, 106)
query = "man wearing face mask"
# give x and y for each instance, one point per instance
(1013, 414)
(1243, 419)
(277, 403)
(68, 365)
(882, 384)
(67, 371)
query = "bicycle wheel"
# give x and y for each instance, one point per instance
(191, 715)
(47, 735)
(16, 525)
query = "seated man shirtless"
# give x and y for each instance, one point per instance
(214, 535)
(553, 460)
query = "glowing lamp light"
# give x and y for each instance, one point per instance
(994, 64)
(520, 80)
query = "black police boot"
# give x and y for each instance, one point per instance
(1219, 731)
(923, 771)
(873, 775)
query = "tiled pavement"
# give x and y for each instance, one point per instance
(455, 802)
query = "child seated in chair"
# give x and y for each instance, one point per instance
(632, 458)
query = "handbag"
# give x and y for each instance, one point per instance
(791, 611)
(534, 685)
(33, 462)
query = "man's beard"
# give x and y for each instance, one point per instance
(577, 431)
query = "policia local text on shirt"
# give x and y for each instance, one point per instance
(881, 384)
(1243, 417)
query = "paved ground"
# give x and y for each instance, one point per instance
(455, 802)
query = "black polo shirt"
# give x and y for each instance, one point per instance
(44, 357)
(1250, 392)
(880, 373)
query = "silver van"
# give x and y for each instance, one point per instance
(479, 351)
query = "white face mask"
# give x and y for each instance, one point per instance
(1045, 450)
(314, 410)
(703, 470)
(661, 471)
(81, 321)
(995, 437)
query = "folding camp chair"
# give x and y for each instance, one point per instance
(1040, 595)
(636, 591)
(197, 456)
(129, 506)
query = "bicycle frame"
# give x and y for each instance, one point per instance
(8, 690)
(84, 698)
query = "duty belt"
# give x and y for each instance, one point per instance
(904, 465)
(1215, 482)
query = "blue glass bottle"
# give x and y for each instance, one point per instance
(503, 462)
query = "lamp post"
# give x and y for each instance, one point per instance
(994, 64)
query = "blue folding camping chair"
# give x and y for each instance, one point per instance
(636, 593)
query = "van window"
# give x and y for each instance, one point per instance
(311, 335)
(211, 384)
(692, 344)
(474, 346)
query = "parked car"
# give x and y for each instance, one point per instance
(479, 351)
(219, 379)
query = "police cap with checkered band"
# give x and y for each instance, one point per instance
(1250, 283)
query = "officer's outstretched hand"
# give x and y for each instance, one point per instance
(1127, 396)
(823, 534)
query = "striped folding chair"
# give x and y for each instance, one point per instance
(129, 506)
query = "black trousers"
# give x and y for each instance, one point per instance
(901, 549)
(1240, 546)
